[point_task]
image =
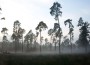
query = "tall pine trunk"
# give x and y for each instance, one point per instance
(70, 43)
(16, 44)
(40, 40)
(55, 46)
(59, 38)
(22, 43)
(2, 46)
(27, 45)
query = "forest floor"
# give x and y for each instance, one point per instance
(44, 59)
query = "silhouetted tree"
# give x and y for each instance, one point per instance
(4, 32)
(17, 34)
(55, 11)
(58, 33)
(26, 40)
(41, 26)
(35, 39)
(29, 39)
(2, 18)
(70, 30)
(55, 42)
(22, 31)
(66, 41)
(0, 9)
(50, 33)
(84, 33)
(46, 42)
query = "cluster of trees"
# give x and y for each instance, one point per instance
(29, 41)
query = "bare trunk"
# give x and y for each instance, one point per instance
(16, 44)
(40, 41)
(55, 46)
(59, 38)
(51, 43)
(22, 43)
(50, 46)
(70, 43)
(59, 44)
(2, 46)
(27, 45)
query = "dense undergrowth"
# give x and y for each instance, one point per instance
(66, 59)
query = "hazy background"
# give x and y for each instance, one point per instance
(31, 12)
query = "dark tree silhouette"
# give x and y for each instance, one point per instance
(35, 39)
(58, 33)
(29, 39)
(50, 33)
(55, 42)
(55, 11)
(17, 34)
(4, 32)
(3, 18)
(22, 31)
(41, 26)
(46, 43)
(66, 42)
(26, 40)
(1, 9)
(84, 33)
(70, 30)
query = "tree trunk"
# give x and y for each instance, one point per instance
(27, 46)
(16, 44)
(59, 44)
(40, 41)
(55, 46)
(22, 43)
(51, 43)
(70, 43)
(50, 46)
(59, 38)
(2, 46)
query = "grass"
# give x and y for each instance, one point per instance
(65, 59)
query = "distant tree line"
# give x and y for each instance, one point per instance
(29, 42)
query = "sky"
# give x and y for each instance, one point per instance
(31, 12)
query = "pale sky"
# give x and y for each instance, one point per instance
(31, 12)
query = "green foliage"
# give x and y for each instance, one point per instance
(57, 30)
(17, 30)
(41, 26)
(4, 30)
(71, 27)
(84, 32)
(50, 31)
(29, 36)
(55, 10)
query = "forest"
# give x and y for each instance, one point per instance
(57, 42)
(34, 49)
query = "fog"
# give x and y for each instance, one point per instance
(45, 50)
